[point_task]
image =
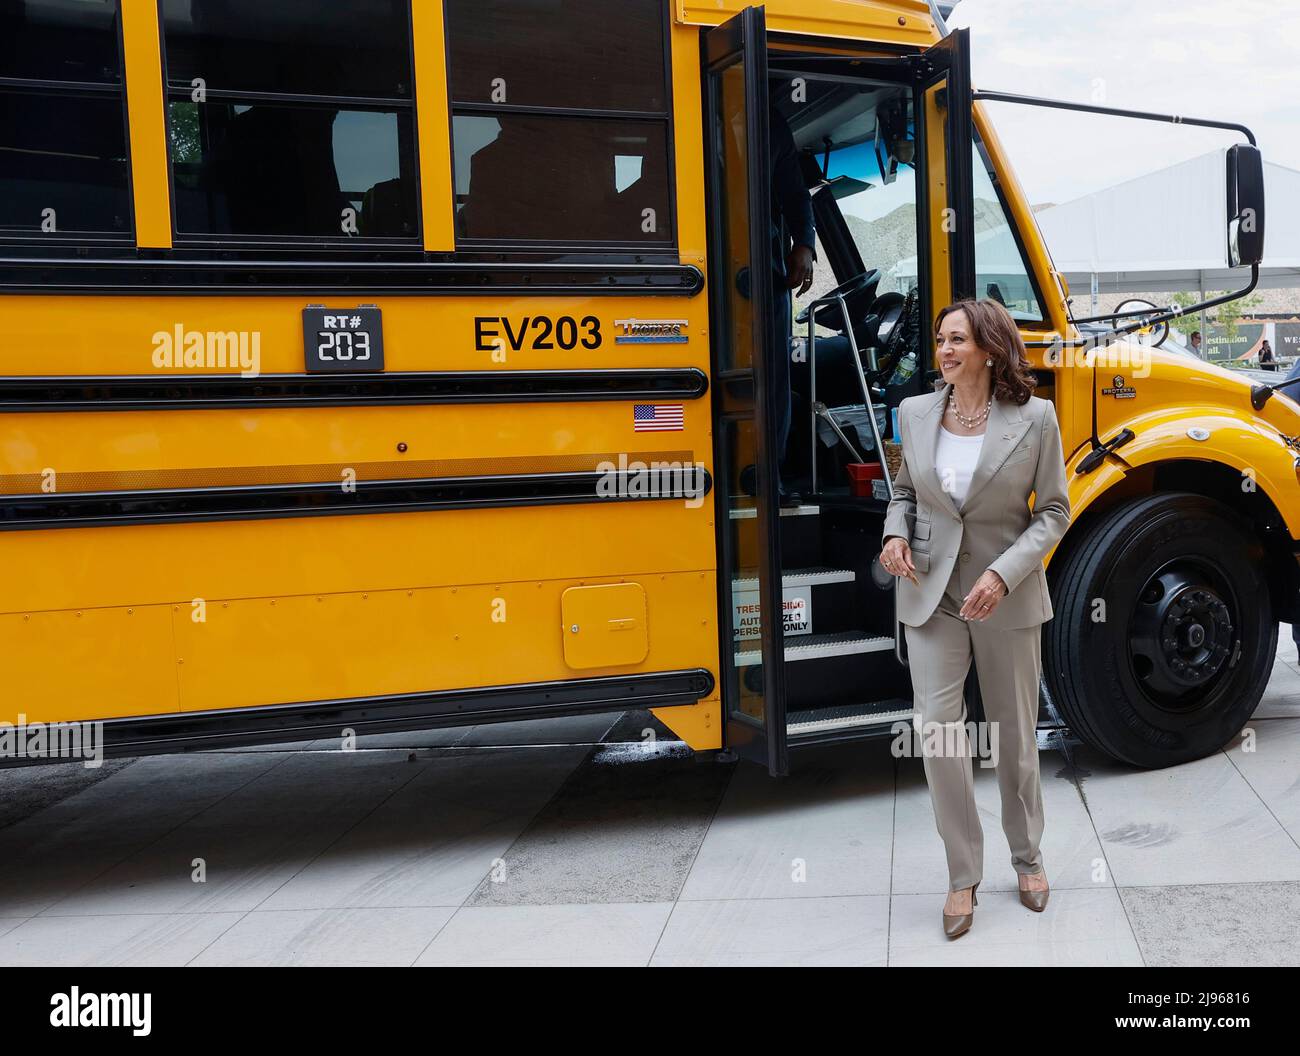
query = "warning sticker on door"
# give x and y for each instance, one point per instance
(746, 621)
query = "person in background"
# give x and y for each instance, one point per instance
(1196, 344)
(1267, 361)
(793, 238)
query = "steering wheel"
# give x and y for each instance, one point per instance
(1162, 329)
(892, 327)
(858, 293)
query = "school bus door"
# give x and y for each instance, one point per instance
(736, 137)
(744, 401)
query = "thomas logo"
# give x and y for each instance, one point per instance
(651, 331)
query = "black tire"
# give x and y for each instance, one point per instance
(1181, 659)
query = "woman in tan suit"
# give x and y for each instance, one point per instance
(960, 532)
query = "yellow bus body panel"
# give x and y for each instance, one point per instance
(887, 21)
(161, 619)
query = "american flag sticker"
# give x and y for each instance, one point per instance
(658, 418)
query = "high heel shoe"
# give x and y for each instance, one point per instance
(1035, 900)
(955, 924)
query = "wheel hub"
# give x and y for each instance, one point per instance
(1183, 634)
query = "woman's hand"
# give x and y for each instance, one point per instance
(983, 598)
(896, 557)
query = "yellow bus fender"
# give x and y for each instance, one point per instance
(1254, 450)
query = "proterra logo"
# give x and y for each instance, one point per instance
(1119, 390)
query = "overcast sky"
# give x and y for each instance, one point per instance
(1229, 60)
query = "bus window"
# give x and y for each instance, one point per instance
(52, 40)
(862, 137)
(292, 170)
(560, 178)
(560, 123)
(1000, 271)
(63, 153)
(290, 47)
(293, 121)
(569, 53)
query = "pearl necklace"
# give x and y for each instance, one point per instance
(969, 423)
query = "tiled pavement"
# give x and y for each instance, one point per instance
(570, 842)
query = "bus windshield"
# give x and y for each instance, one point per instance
(863, 139)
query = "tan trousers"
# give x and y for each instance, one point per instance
(1008, 663)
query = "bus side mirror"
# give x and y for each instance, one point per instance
(1245, 205)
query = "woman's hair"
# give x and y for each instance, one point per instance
(995, 333)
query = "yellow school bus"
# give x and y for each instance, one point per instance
(394, 364)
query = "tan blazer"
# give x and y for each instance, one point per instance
(994, 527)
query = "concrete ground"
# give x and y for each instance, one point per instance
(571, 842)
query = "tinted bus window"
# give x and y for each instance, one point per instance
(562, 53)
(53, 40)
(560, 178)
(300, 47)
(560, 124)
(292, 170)
(291, 119)
(62, 164)
(63, 151)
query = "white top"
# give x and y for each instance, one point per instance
(954, 462)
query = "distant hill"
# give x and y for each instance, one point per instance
(882, 243)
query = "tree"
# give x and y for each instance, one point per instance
(1224, 316)
(1228, 315)
(184, 129)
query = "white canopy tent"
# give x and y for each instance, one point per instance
(1165, 231)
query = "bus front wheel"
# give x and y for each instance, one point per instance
(1163, 637)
